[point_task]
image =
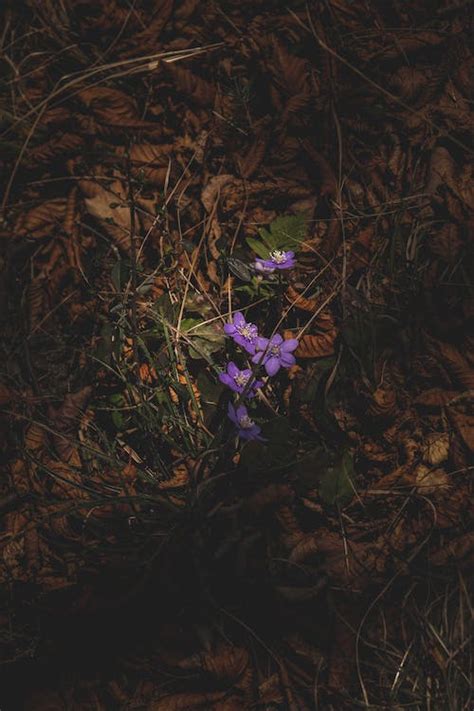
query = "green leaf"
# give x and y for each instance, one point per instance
(258, 247)
(119, 274)
(118, 419)
(286, 232)
(336, 486)
(205, 340)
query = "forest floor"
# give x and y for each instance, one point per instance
(152, 555)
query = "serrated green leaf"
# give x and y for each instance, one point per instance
(258, 247)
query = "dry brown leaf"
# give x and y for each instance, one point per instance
(383, 402)
(456, 364)
(436, 448)
(35, 436)
(431, 481)
(151, 159)
(36, 296)
(110, 206)
(252, 159)
(226, 662)
(464, 425)
(42, 220)
(435, 397)
(291, 71)
(112, 107)
(454, 551)
(319, 345)
(446, 244)
(198, 89)
(186, 702)
(300, 301)
(64, 145)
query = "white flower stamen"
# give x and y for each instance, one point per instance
(245, 422)
(241, 379)
(278, 256)
(245, 331)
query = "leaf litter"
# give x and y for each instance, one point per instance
(151, 153)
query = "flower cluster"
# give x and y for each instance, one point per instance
(271, 353)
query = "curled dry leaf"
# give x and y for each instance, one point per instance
(463, 422)
(300, 301)
(35, 436)
(383, 402)
(112, 106)
(431, 481)
(196, 88)
(150, 159)
(436, 448)
(226, 662)
(455, 362)
(186, 702)
(455, 551)
(446, 244)
(252, 159)
(42, 220)
(65, 145)
(316, 346)
(36, 298)
(435, 398)
(110, 206)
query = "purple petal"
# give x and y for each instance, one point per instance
(241, 412)
(262, 265)
(261, 343)
(226, 380)
(244, 343)
(259, 357)
(272, 365)
(287, 360)
(276, 340)
(290, 254)
(230, 329)
(232, 413)
(239, 319)
(246, 372)
(289, 345)
(250, 432)
(232, 369)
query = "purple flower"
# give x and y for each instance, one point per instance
(244, 334)
(278, 260)
(260, 266)
(275, 353)
(237, 380)
(247, 429)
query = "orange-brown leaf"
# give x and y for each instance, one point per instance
(319, 345)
